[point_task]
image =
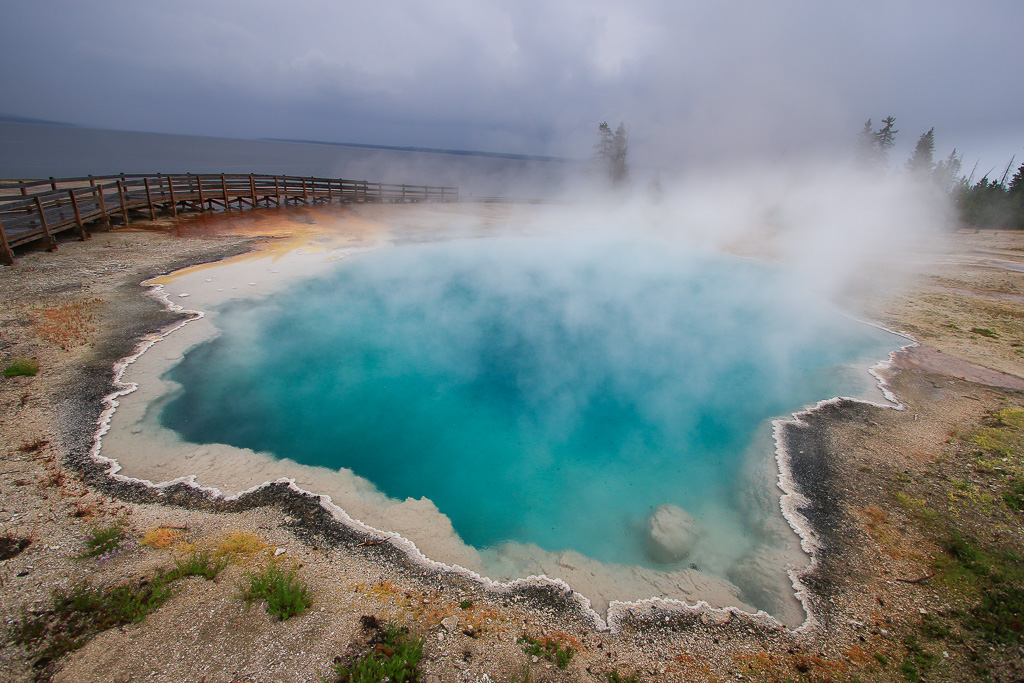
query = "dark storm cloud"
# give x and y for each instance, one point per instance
(693, 80)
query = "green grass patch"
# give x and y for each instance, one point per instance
(393, 656)
(616, 677)
(984, 332)
(22, 367)
(555, 648)
(285, 594)
(917, 661)
(200, 563)
(80, 612)
(1013, 496)
(998, 581)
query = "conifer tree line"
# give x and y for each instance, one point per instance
(985, 203)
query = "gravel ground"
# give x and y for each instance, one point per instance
(80, 308)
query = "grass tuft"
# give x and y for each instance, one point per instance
(199, 563)
(22, 367)
(286, 595)
(393, 656)
(104, 542)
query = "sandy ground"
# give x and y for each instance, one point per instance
(82, 307)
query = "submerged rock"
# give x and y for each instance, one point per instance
(671, 533)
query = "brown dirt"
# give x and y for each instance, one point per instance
(863, 469)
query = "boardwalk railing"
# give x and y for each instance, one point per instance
(39, 209)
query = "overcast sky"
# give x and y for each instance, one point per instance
(692, 80)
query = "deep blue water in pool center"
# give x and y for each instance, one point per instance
(537, 389)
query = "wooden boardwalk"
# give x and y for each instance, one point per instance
(37, 210)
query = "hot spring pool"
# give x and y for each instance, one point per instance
(541, 391)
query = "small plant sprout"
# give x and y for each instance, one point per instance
(558, 648)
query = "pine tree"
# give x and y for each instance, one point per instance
(603, 149)
(885, 138)
(921, 160)
(946, 174)
(610, 152)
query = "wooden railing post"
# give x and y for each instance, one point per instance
(103, 206)
(202, 200)
(252, 189)
(78, 216)
(124, 204)
(24, 193)
(224, 186)
(6, 255)
(149, 199)
(51, 244)
(170, 192)
(305, 197)
(277, 191)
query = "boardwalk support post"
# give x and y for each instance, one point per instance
(224, 187)
(202, 200)
(149, 199)
(124, 204)
(78, 216)
(103, 205)
(51, 244)
(6, 255)
(170, 191)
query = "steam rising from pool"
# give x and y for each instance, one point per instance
(539, 390)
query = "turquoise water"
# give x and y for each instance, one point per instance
(539, 390)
